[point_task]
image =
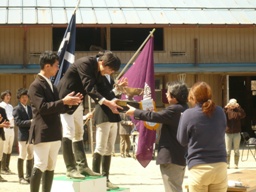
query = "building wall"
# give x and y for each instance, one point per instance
(214, 45)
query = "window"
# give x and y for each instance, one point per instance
(130, 39)
(87, 39)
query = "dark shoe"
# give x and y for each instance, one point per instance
(7, 172)
(122, 155)
(2, 179)
(128, 155)
(23, 181)
(75, 174)
(88, 172)
(111, 186)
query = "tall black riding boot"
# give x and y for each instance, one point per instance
(106, 161)
(8, 158)
(81, 160)
(35, 180)
(47, 181)
(22, 180)
(3, 166)
(96, 161)
(69, 159)
(29, 167)
(1, 178)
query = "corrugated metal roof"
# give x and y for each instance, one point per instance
(121, 12)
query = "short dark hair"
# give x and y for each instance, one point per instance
(21, 91)
(48, 57)
(179, 91)
(5, 93)
(109, 59)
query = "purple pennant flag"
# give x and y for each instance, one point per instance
(139, 74)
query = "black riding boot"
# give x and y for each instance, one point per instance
(3, 166)
(69, 159)
(1, 178)
(106, 161)
(29, 167)
(22, 180)
(81, 160)
(96, 161)
(47, 181)
(35, 180)
(8, 158)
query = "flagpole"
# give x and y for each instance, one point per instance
(135, 54)
(78, 2)
(91, 127)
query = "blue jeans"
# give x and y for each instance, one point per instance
(232, 139)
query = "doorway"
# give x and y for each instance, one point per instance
(240, 88)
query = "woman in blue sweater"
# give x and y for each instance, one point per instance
(202, 130)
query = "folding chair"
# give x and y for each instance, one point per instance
(250, 146)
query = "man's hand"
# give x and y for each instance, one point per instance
(5, 124)
(112, 105)
(120, 84)
(72, 99)
(130, 111)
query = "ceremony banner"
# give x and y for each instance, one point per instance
(141, 75)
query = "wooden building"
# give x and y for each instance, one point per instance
(200, 40)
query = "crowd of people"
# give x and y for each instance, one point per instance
(200, 136)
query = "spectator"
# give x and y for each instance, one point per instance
(4, 122)
(22, 114)
(202, 130)
(125, 128)
(234, 114)
(8, 131)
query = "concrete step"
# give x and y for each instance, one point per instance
(120, 189)
(92, 184)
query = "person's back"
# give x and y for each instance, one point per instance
(202, 129)
(206, 144)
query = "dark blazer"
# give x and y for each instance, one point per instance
(170, 150)
(46, 107)
(81, 77)
(4, 115)
(22, 119)
(102, 112)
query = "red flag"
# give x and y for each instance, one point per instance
(141, 75)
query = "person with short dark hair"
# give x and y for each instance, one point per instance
(171, 154)
(8, 131)
(202, 130)
(46, 131)
(22, 114)
(82, 76)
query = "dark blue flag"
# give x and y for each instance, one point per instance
(66, 50)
